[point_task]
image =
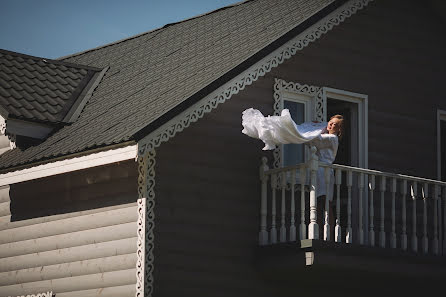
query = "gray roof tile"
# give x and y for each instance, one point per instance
(152, 73)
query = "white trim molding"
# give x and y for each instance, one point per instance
(46, 294)
(69, 165)
(146, 225)
(247, 77)
(441, 116)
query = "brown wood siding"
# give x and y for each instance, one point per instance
(207, 184)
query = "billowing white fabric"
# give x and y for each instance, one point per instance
(275, 130)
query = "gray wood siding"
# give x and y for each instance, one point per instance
(85, 248)
(207, 184)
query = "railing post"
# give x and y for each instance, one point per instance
(263, 234)
(348, 236)
(403, 215)
(327, 204)
(382, 233)
(393, 233)
(293, 208)
(435, 241)
(273, 231)
(372, 210)
(303, 225)
(338, 230)
(425, 195)
(282, 217)
(413, 193)
(360, 212)
(313, 228)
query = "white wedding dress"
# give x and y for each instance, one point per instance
(275, 130)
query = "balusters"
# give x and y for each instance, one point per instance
(327, 204)
(382, 233)
(372, 211)
(263, 234)
(413, 193)
(425, 193)
(293, 208)
(313, 228)
(303, 226)
(393, 234)
(348, 236)
(360, 210)
(403, 215)
(273, 231)
(282, 217)
(435, 241)
(338, 205)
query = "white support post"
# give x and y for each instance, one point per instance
(382, 232)
(413, 194)
(273, 231)
(282, 217)
(349, 235)
(263, 234)
(403, 215)
(360, 210)
(293, 208)
(393, 233)
(327, 173)
(435, 240)
(303, 225)
(372, 210)
(425, 191)
(338, 231)
(313, 228)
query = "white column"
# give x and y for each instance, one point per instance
(360, 210)
(413, 194)
(382, 233)
(349, 235)
(403, 215)
(303, 226)
(293, 207)
(273, 231)
(372, 210)
(338, 231)
(393, 233)
(327, 204)
(313, 228)
(282, 217)
(425, 195)
(263, 234)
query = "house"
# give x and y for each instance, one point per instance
(130, 174)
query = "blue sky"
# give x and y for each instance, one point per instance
(55, 28)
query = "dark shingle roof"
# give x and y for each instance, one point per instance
(39, 89)
(153, 73)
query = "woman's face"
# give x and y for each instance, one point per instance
(333, 126)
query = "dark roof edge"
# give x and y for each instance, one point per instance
(239, 69)
(46, 60)
(84, 97)
(151, 31)
(68, 156)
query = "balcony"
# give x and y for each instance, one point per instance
(386, 222)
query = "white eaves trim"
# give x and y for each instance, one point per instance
(69, 165)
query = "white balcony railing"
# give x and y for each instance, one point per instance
(408, 213)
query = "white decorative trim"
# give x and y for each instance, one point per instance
(146, 225)
(47, 294)
(247, 77)
(68, 165)
(317, 113)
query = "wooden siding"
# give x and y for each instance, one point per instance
(87, 252)
(207, 184)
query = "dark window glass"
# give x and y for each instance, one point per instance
(294, 153)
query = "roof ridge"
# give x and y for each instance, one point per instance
(153, 30)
